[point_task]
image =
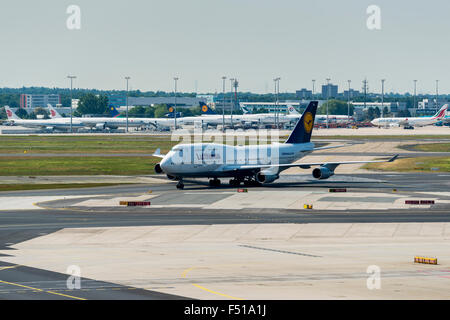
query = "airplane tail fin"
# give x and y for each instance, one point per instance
(113, 111)
(441, 113)
(303, 128)
(245, 110)
(53, 113)
(291, 110)
(206, 109)
(10, 114)
(171, 113)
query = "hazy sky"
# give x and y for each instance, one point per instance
(202, 40)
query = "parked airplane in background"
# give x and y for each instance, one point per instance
(251, 164)
(99, 123)
(321, 118)
(58, 124)
(208, 117)
(408, 122)
(159, 123)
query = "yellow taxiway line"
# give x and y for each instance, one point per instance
(35, 289)
(184, 274)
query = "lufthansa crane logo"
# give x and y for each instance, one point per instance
(170, 109)
(205, 108)
(308, 122)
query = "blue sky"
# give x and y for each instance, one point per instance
(202, 40)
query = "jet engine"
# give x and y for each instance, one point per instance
(100, 126)
(263, 177)
(322, 173)
(158, 169)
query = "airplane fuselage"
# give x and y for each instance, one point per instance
(218, 160)
(380, 122)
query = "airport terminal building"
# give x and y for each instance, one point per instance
(31, 101)
(182, 102)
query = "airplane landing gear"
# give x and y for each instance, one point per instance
(214, 183)
(180, 185)
(235, 182)
(252, 183)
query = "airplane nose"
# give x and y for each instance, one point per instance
(165, 164)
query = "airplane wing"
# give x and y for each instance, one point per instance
(158, 154)
(332, 147)
(311, 164)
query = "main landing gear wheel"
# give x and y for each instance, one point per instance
(235, 183)
(214, 183)
(252, 183)
(180, 185)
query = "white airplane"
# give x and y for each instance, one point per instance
(411, 122)
(100, 123)
(207, 118)
(251, 164)
(58, 124)
(268, 118)
(333, 118)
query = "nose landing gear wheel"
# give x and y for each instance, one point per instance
(180, 185)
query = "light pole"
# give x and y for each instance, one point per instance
(328, 97)
(127, 78)
(175, 104)
(235, 84)
(382, 97)
(314, 85)
(223, 104)
(437, 94)
(71, 87)
(414, 106)
(232, 80)
(277, 91)
(348, 101)
(278, 109)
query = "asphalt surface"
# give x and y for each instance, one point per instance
(21, 282)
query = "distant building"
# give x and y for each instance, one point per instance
(392, 107)
(430, 104)
(75, 103)
(303, 94)
(352, 93)
(209, 98)
(282, 105)
(182, 102)
(31, 101)
(329, 91)
(117, 100)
